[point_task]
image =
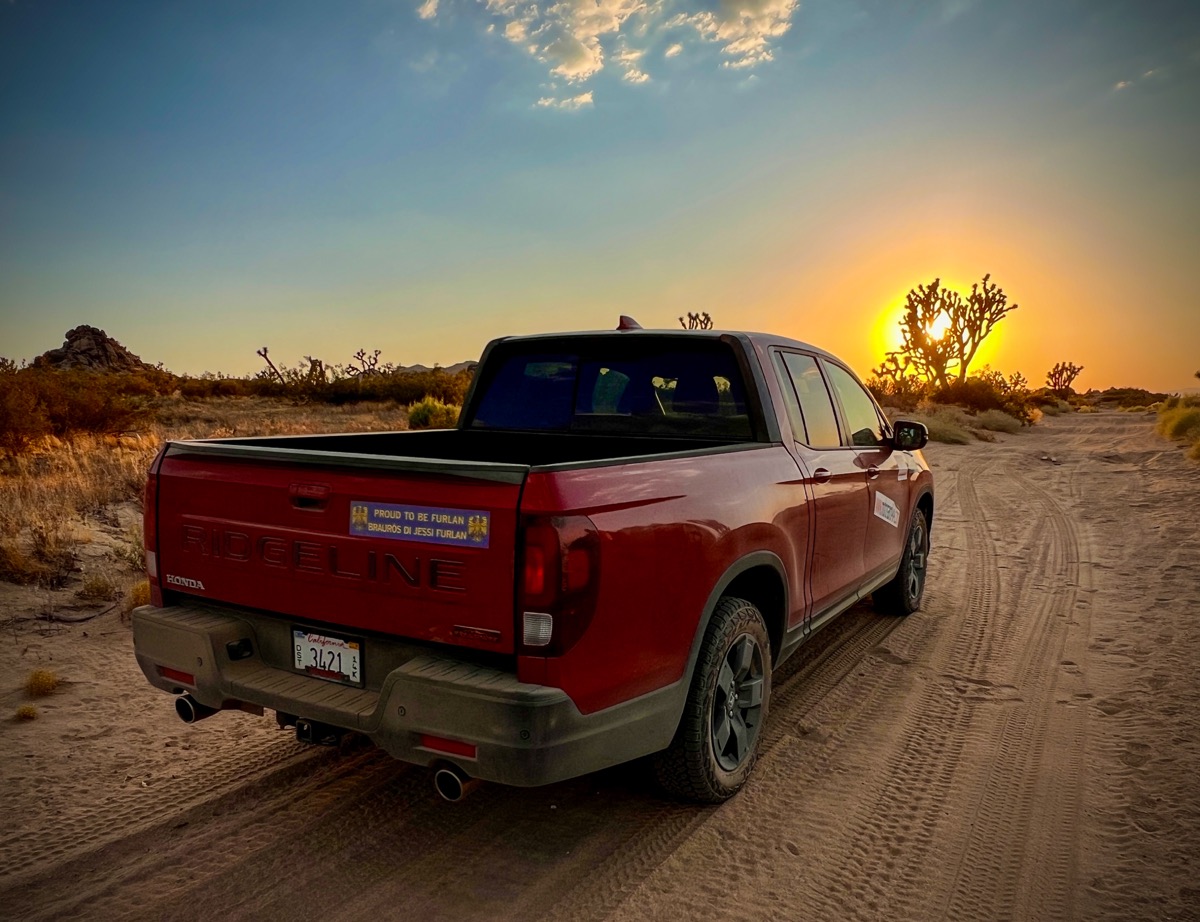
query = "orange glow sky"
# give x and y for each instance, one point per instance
(201, 181)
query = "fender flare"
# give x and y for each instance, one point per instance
(736, 569)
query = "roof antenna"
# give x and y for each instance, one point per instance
(628, 323)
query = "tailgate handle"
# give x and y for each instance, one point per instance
(309, 495)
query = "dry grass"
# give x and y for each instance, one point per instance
(49, 494)
(1179, 419)
(138, 595)
(946, 424)
(26, 712)
(41, 682)
(1181, 422)
(1056, 408)
(997, 421)
(97, 588)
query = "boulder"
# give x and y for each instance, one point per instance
(92, 350)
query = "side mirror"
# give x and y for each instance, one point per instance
(909, 435)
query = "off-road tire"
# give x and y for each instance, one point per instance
(902, 596)
(696, 766)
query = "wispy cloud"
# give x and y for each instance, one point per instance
(577, 39)
(570, 104)
(1153, 75)
(627, 59)
(744, 28)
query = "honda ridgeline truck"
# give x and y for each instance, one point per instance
(623, 537)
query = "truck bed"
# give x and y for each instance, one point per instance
(529, 449)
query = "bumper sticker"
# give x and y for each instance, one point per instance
(887, 510)
(428, 524)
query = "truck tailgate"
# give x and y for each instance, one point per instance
(423, 550)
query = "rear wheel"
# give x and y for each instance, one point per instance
(902, 596)
(716, 744)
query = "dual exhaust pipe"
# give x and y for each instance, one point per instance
(451, 782)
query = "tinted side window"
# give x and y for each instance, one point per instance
(861, 417)
(819, 419)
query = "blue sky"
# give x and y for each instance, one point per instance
(201, 179)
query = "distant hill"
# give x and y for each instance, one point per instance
(91, 349)
(449, 369)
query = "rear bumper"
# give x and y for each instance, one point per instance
(524, 734)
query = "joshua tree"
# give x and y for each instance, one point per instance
(942, 330)
(367, 363)
(1060, 377)
(697, 321)
(265, 358)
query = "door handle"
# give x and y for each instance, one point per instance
(872, 472)
(821, 475)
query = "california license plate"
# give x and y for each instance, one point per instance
(336, 659)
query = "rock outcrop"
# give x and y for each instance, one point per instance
(93, 350)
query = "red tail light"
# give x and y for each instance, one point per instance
(559, 578)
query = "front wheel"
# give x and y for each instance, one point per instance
(716, 744)
(902, 596)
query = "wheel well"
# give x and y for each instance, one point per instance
(925, 504)
(764, 587)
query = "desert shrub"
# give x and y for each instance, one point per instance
(974, 393)
(1088, 409)
(41, 682)
(997, 421)
(431, 413)
(1194, 451)
(903, 393)
(16, 566)
(209, 385)
(942, 430)
(97, 588)
(332, 384)
(991, 390)
(1181, 422)
(945, 424)
(26, 712)
(137, 595)
(23, 419)
(38, 402)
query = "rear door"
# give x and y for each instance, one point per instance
(836, 478)
(887, 477)
(410, 553)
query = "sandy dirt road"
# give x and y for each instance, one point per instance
(1025, 747)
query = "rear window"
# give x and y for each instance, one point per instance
(621, 385)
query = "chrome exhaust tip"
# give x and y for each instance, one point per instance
(452, 783)
(190, 710)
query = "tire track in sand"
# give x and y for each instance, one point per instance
(993, 684)
(133, 808)
(901, 826)
(1018, 860)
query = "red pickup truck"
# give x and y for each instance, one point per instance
(606, 559)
